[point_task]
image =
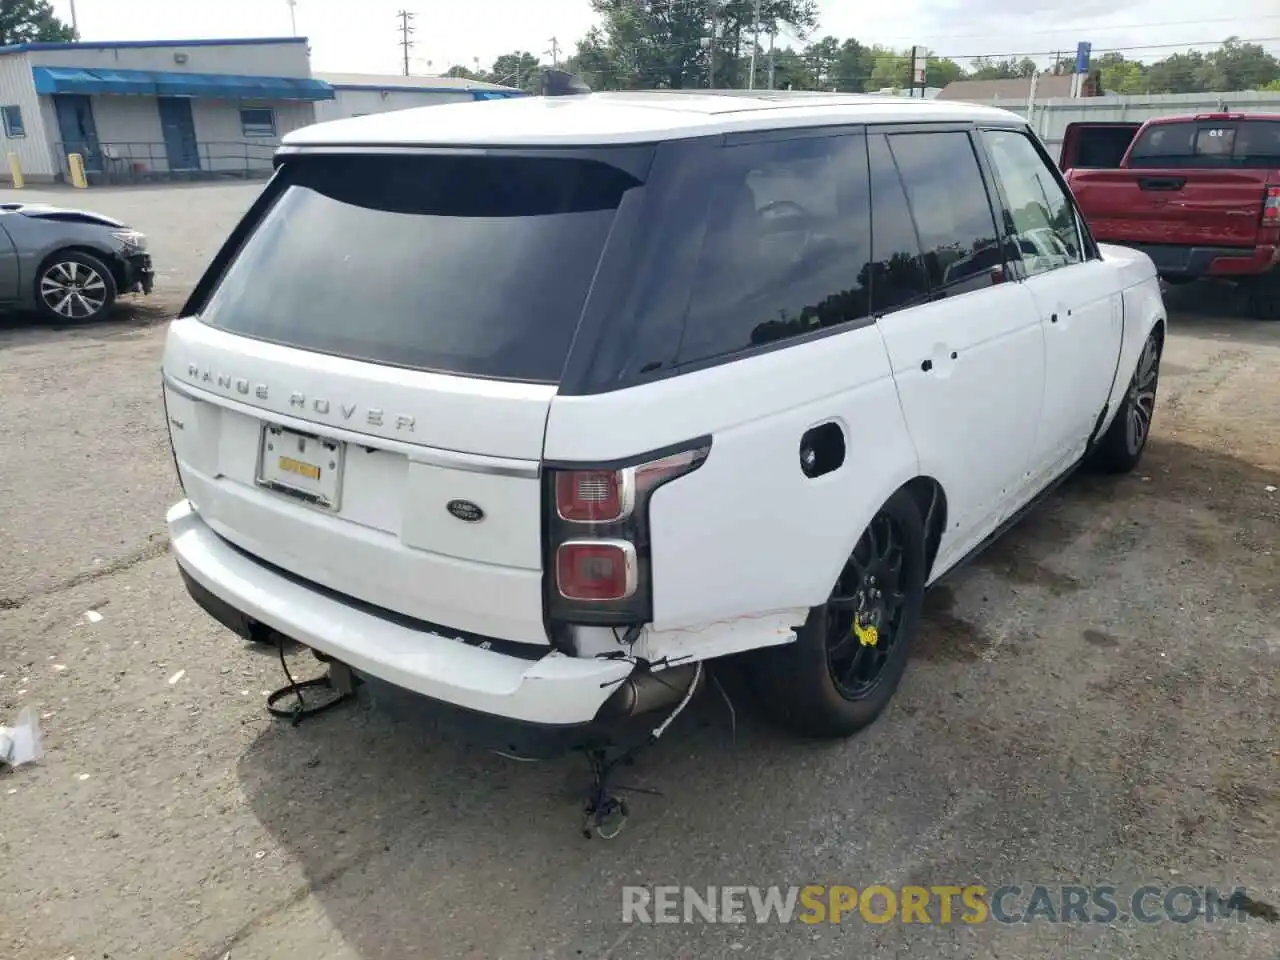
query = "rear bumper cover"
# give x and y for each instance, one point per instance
(1192, 261)
(555, 691)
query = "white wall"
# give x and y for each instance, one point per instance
(17, 88)
(273, 60)
(218, 125)
(350, 103)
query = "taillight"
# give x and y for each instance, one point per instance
(594, 496)
(597, 537)
(1271, 208)
(595, 570)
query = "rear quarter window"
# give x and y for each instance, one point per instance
(463, 264)
(786, 247)
(1247, 144)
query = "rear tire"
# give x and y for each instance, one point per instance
(74, 287)
(832, 681)
(1264, 298)
(1121, 447)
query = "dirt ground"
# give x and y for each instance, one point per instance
(1093, 701)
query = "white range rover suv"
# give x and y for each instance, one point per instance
(534, 406)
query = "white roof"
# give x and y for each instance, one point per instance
(398, 81)
(621, 118)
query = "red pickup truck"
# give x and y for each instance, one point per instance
(1199, 195)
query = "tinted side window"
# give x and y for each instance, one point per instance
(786, 245)
(1040, 218)
(898, 277)
(949, 204)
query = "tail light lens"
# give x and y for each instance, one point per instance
(597, 538)
(1271, 208)
(594, 496)
(595, 570)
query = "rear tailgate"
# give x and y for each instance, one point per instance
(1180, 206)
(361, 400)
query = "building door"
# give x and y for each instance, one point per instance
(179, 133)
(77, 130)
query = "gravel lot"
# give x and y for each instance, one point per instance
(1094, 701)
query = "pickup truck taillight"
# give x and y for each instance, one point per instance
(1271, 208)
(597, 537)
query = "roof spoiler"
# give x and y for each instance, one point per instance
(561, 83)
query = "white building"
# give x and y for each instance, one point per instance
(361, 93)
(142, 109)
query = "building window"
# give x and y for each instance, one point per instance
(257, 121)
(13, 127)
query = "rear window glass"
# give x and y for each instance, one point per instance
(1251, 144)
(474, 265)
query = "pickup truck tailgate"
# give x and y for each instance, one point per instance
(1220, 208)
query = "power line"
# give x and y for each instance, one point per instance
(1037, 53)
(1096, 50)
(1114, 28)
(405, 29)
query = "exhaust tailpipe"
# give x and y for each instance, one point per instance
(643, 692)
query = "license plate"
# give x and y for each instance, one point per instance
(302, 466)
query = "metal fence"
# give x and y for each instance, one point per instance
(113, 162)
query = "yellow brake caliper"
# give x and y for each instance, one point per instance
(868, 635)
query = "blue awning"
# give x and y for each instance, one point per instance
(156, 83)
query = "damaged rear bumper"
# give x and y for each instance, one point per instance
(549, 691)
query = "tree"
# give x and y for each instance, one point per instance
(1242, 66)
(643, 44)
(1119, 75)
(518, 69)
(31, 21)
(461, 73)
(984, 68)
(791, 71)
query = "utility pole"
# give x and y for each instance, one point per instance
(771, 40)
(555, 53)
(293, 18)
(755, 43)
(405, 29)
(75, 29)
(711, 74)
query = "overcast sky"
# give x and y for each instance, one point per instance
(362, 36)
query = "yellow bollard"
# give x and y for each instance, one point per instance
(75, 162)
(15, 170)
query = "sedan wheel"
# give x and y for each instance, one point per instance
(75, 287)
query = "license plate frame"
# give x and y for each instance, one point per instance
(301, 465)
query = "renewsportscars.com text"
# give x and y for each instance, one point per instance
(941, 904)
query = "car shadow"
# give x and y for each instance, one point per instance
(128, 315)
(1216, 310)
(405, 837)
